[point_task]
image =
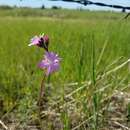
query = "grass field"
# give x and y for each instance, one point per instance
(94, 47)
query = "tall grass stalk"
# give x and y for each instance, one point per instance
(102, 52)
(80, 67)
(93, 62)
(95, 103)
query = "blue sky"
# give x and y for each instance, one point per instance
(38, 3)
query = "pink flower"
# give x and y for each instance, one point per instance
(35, 41)
(50, 62)
(40, 41)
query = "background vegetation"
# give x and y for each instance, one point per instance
(91, 45)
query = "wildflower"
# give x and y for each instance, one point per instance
(50, 62)
(40, 41)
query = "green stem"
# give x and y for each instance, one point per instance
(93, 63)
(95, 101)
(48, 78)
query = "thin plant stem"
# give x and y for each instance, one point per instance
(40, 100)
(48, 79)
(95, 103)
(102, 52)
(93, 63)
(42, 91)
(3, 125)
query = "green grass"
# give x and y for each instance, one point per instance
(72, 35)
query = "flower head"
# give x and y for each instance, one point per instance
(50, 62)
(40, 41)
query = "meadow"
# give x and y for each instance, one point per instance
(93, 75)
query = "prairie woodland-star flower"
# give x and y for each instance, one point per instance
(40, 41)
(50, 62)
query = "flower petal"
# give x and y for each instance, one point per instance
(50, 62)
(43, 65)
(34, 41)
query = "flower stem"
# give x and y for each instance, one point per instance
(40, 102)
(42, 92)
